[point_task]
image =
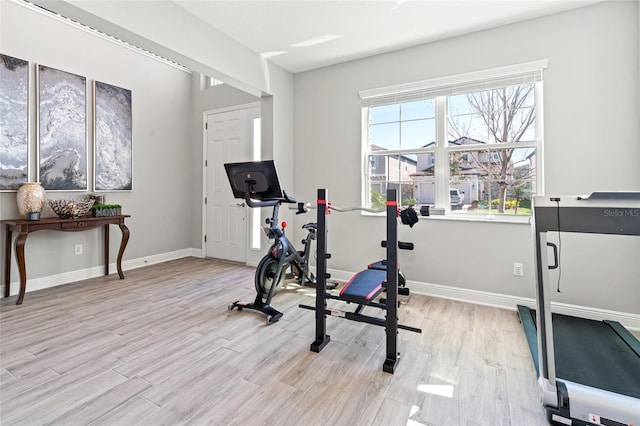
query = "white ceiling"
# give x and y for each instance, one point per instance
(285, 31)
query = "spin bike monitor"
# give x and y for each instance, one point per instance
(258, 177)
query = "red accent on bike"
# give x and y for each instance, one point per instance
(284, 224)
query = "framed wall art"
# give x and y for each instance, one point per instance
(112, 150)
(14, 122)
(62, 130)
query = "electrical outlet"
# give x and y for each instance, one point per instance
(518, 269)
(78, 248)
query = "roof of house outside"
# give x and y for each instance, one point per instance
(464, 140)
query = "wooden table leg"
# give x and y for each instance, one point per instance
(22, 269)
(123, 245)
(106, 249)
(7, 262)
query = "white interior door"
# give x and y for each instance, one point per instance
(227, 142)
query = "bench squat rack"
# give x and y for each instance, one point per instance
(362, 295)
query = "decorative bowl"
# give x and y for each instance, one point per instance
(69, 209)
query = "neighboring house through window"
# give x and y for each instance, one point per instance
(467, 142)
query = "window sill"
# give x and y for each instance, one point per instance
(525, 220)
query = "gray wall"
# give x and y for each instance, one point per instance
(162, 142)
(591, 103)
(591, 142)
(168, 104)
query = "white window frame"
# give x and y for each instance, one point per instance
(440, 89)
(255, 218)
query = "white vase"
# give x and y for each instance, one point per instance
(30, 198)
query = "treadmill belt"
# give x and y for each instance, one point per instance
(591, 353)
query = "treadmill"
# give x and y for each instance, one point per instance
(588, 371)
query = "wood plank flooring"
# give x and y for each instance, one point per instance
(161, 348)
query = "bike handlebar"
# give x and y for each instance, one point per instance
(268, 203)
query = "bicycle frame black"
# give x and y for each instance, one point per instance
(285, 252)
(259, 180)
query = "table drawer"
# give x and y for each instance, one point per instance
(80, 224)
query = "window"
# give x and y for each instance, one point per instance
(465, 144)
(256, 155)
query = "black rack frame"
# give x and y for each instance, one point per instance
(391, 305)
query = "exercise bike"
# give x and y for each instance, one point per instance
(283, 260)
(257, 183)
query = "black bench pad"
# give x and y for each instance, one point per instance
(380, 264)
(364, 286)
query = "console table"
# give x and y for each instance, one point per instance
(25, 227)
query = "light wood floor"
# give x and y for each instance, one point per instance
(160, 348)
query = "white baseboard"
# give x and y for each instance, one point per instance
(97, 271)
(629, 320)
(159, 258)
(455, 293)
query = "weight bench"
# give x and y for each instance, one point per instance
(364, 286)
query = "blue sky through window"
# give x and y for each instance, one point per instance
(412, 124)
(401, 126)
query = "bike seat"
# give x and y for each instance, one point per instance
(310, 225)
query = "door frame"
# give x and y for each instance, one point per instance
(205, 155)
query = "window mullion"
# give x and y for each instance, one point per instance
(539, 181)
(441, 155)
(493, 146)
(366, 168)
